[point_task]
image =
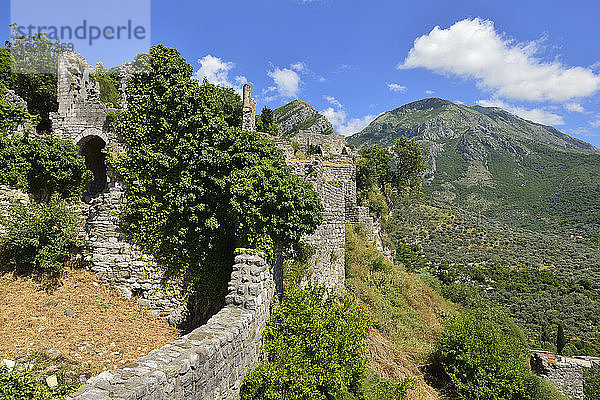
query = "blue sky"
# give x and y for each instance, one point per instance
(353, 60)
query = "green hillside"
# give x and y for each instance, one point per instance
(490, 161)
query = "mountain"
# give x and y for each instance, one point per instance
(299, 115)
(487, 160)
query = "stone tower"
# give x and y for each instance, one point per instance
(248, 110)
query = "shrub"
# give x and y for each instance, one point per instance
(43, 166)
(483, 358)
(591, 384)
(315, 342)
(19, 384)
(38, 237)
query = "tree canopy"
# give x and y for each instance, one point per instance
(197, 187)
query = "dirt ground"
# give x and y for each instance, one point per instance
(86, 321)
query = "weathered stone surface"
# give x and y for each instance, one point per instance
(566, 373)
(208, 363)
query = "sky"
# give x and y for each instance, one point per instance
(353, 60)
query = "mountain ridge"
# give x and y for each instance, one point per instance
(488, 160)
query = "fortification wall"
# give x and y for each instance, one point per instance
(211, 361)
(328, 240)
(332, 143)
(566, 373)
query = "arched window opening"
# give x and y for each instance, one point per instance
(95, 161)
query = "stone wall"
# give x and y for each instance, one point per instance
(332, 143)
(211, 361)
(566, 373)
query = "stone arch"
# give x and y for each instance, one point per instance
(92, 148)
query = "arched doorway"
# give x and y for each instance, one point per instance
(95, 160)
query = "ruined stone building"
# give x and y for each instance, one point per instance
(212, 360)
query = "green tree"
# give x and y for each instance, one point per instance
(197, 187)
(29, 65)
(42, 166)
(265, 122)
(560, 339)
(408, 164)
(315, 343)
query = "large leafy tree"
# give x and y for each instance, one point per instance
(197, 187)
(28, 65)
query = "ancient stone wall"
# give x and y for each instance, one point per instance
(566, 373)
(332, 144)
(328, 240)
(248, 110)
(211, 361)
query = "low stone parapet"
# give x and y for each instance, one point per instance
(212, 360)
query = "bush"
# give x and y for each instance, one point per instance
(591, 384)
(23, 384)
(43, 166)
(315, 342)
(483, 358)
(38, 238)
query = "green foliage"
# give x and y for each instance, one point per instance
(12, 116)
(28, 66)
(483, 359)
(43, 166)
(24, 380)
(392, 171)
(378, 388)
(197, 187)
(265, 122)
(109, 85)
(408, 164)
(297, 264)
(544, 279)
(591, 384)
(315, 342)
(39, 237)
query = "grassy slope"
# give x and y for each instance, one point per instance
(407, 312)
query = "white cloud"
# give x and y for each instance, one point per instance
(595, 123)
(340, 121)
(574, 107)
(535, 114)
(287, 81)
(395, 87)
(471, 48)
(299, 66)
(429, 92)
(333, 101)
(216, 71)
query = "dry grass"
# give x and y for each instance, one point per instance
(407, 312)
(105, 331)
(388, 362)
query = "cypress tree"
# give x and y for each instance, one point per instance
(560, 339)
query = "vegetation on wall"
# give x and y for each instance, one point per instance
(108, 79)
(197, 187)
